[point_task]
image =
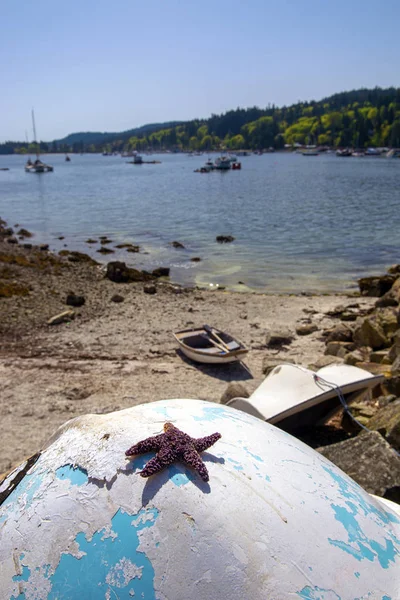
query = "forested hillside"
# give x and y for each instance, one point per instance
(360, 118)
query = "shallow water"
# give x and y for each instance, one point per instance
(300, 223)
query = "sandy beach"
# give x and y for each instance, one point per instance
(113, 355)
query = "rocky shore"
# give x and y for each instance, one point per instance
(79, 337)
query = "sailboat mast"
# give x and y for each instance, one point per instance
(34, 135)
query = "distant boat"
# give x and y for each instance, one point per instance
(137, 159)
(222, 163)
(37, 166)
(394, 153)
(310, 152)
(67, 158)
(209, 345)
(344, 153)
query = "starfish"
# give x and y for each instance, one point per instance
(174, 445)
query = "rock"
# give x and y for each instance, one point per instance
(44, 247)
(270, 363)
(74, 300)
(150, 288)
(368, 459)
(324, 361)
(341, 333)
(61, 237)
(395, 370)
(349, 315)
(370, 333)
(394, 269)
(392, 386)
(176, 244)
(24, 233)
(117, 298)
(224, 239)
(104, 250)
(234, 390)
(7, 231)
(67, 315)
(353, 358)
(105, 241)
(77, 257)
(27, 246)
(161, 272)
(91, 241)
(379, 356)
(195, 259)
(118, 272)
(392, 297)
(306, 329)
(387, 422)
(133, 249)
(12, 240)
(376, 286)
(282, 337)
(338, 348)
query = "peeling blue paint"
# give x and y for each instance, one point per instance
(215, 413)
(26, 489)
(255, 456)
(23, 577)
(358, 544)
(386, 598)
(76, 475)
(236, 464)
(357, 574)
(87, 576)
(316, 593)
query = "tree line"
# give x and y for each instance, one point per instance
(359, 119)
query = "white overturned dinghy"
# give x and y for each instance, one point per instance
(293, 397)
(209, 345)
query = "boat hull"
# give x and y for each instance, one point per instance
(204, 358)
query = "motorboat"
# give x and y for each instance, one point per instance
(310, 152)
(222, 163)
(293, 397)
(344, 153)
(137, 159)
(207, 344)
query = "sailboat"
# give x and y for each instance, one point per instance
(37, 166)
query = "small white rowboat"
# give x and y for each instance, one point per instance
(209, 345)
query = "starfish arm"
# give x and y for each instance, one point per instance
(156, 464)
(192, 458)
(148, 445)
(202, 444)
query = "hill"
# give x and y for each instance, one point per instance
(358, 118)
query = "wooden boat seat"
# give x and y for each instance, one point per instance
(213, 350)
(232, 346)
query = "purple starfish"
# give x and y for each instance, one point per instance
(174, 445)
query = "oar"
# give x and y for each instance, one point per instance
(212, 332)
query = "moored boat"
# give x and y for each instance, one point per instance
(222, 163)
(37, 166)
(209, 345)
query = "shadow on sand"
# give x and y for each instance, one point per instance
(235, 371)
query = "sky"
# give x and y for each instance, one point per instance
(111, 65)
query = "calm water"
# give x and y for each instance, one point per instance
(300, 223)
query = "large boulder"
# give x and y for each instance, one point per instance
(387, 422)
(234, 390)
(376, 286)
(270, 363)
(118, 272)
(392, 297)
(370, 333)
(368, 459)
(278, 338)
(340, 333)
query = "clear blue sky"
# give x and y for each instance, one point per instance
(110, 65)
